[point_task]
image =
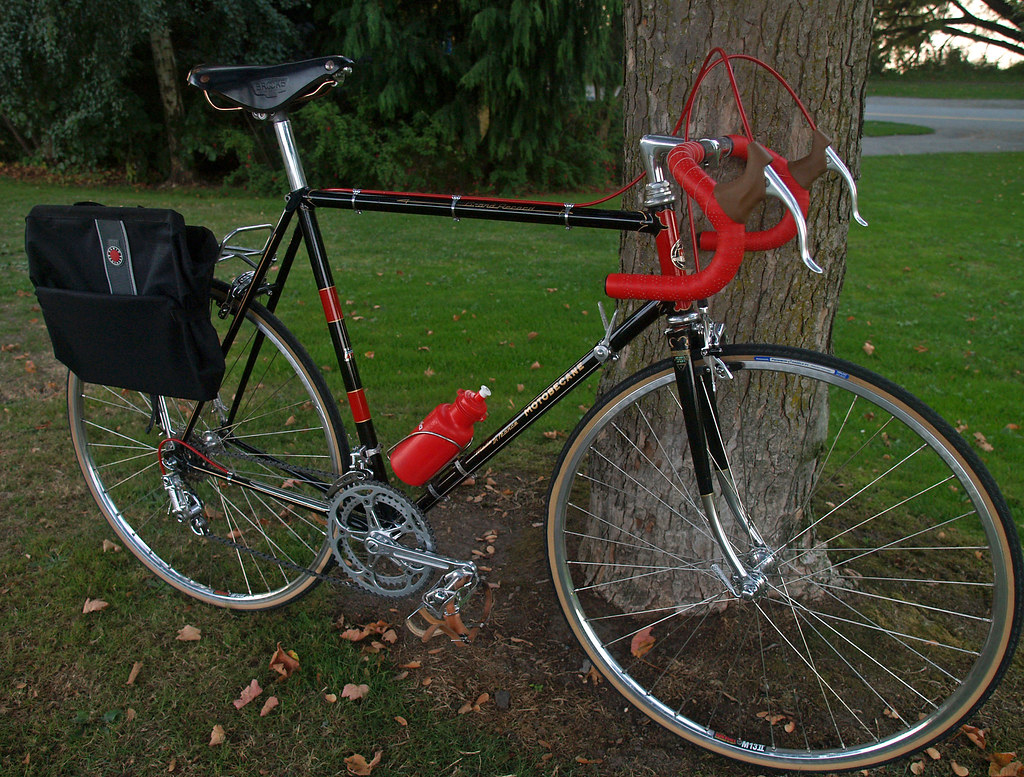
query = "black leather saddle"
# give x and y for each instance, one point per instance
(267, 88)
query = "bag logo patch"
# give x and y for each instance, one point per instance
(114, 256)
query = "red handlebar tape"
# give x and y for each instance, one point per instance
(684, 164)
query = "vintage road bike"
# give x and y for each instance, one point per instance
(774, 553)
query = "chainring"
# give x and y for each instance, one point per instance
(362, 507)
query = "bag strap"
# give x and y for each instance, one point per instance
(117, 256)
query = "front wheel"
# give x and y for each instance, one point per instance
(279, 425)
(890, 601)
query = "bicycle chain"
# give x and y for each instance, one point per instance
(312, 474)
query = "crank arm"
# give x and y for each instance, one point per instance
(379, 543)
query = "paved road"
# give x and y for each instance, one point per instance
(960, 125)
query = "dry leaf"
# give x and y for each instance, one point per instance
(790, 727)
(984, 444)
(976, 735)
(1002, 759)
(285, 663)
(958, 770)
(868, 348)
(94, 605)
(354, 692)
(268, 705)
(357, 764)
(108, 545)
(330, 698)
(189, 634)
(134, 673)
(642, 642)
(917, 767)
(250, 692)
(934, 754)
(217, 736)
(401, 721)
(30, 366)
(535, 366)
(411, 665)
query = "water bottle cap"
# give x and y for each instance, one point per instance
(484, 392)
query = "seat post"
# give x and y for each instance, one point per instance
(289, 151)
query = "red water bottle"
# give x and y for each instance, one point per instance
(439, 437)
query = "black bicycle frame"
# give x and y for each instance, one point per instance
(305, 203)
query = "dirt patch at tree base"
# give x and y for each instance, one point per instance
(541, 691)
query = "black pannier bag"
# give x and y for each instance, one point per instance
(125, 296)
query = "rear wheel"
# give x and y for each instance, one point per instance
(283, 431)
(891, 604)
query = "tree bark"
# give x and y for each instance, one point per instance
(822, 50)
(170, 97)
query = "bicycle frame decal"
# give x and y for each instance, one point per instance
(332, 306)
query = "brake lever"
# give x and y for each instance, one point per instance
(776, 188)
(837, 165)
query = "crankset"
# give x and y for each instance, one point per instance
(383, 542)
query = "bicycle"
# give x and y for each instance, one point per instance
(869, 597)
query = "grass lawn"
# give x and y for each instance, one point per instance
(997, 85)
(876, 129)
(934, 285)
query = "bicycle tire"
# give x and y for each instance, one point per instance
(287, 423)
(895, 604)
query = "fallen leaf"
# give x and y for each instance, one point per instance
(976, 735)
(535, 366)
(642, 642)
(189, 634)
(401, 721)
(132, 675)
(411, 665)
(917, 767)
(581, 760)
(217, 737)
(958, 770)
(284, 663)
(429, 372)
(250, 692)
(1002, 759)
(869, 349)
(108, 545)
(30, 366)
(934, 754)
(984, 444)
(354, 692)
(357, 764)
(94, 605)
(790, 727)
(268, 705)
(330, 698)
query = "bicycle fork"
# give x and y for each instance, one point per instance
(693, 334)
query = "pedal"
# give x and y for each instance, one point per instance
(451, 592)
(440, 613)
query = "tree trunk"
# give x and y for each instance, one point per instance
(774, 298)
(170, 97)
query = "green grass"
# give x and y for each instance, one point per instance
(876, 129)
(997, 85)
(934, 285)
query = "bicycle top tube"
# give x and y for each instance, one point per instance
(456, 206)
